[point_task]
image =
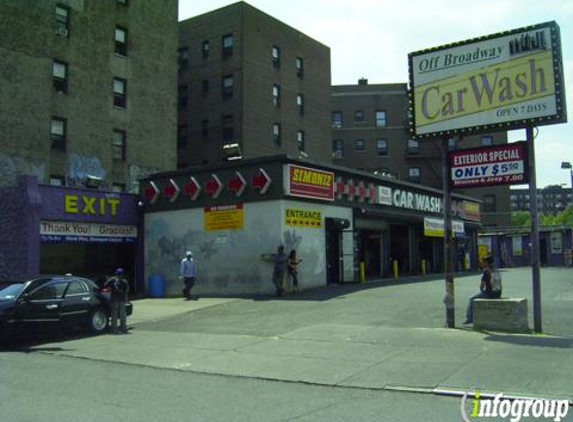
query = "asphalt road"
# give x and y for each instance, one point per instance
(388, 303)
(39, 388)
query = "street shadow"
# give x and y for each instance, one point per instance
(532, 340)
(33, 341)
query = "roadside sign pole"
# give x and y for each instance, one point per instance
(449, 299)
(535, 263)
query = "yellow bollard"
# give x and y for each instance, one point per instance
(395, 268)
(423, 267)
(362, 268)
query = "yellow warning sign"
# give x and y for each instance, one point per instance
(299, 217)
(226, 217)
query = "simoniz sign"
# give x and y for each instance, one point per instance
(498, 165)
(308, 182)
(507, 80)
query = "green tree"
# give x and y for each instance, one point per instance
(520, 219)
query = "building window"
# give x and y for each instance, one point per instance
(182, 97)
(228, 43)
(413, 146)
(205, 88)
(359, 116)
(338, 148)
(181, 136)
(183, 58)
(299, 67)
(452, 144)
(205, 49)
(227, 87)
(119, 92)
(120, 41)
(277, 138)
(60, 76)
(57, 180)
(489, 203)
(276, 95)
(58, 134)
(118, 145)
(414, 174)
(276, 56)
(381, 118)
(300, 140)
(337, 120)
(486, 141)
(381, 146)
(62, 20)
(205, 128)
(359, 145)
(300, 103)
(228, 129)
(117, 188)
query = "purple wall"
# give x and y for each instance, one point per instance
(24, 206)
(547, 258)
(19, 228)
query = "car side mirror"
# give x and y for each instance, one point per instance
(25, 297)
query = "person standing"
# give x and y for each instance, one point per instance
(487, 290)
(187, 271)
(279, 268)
(119, 287)
(292, 269)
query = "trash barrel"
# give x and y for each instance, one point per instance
(156, 286)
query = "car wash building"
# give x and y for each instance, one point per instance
(58, 230)
(345, 225)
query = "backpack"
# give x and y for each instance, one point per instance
(496, 281)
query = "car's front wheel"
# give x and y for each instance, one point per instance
(98, 320)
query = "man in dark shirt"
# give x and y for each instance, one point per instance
(486, 291)
(119, 288)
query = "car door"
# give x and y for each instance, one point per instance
(42, 305)
(77, 303)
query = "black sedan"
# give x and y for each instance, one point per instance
(54, 300)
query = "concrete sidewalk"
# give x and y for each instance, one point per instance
(347, 355)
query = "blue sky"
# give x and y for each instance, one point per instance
(372, 39)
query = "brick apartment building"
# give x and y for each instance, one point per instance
(370, 133)
(246, 78)
(87, 89)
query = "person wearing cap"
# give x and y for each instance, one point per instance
(119, 287)
(187, 271)
(486, 289)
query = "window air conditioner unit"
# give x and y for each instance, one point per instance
(337, 154)
(336, 126)
(62, 31)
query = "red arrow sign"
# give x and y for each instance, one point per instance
(237, 184)
(171, 190)
(192, 188)
(213, 186)
(261, 181)
(151, 193)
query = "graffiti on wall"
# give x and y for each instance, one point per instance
(135, 173)
(11, 167)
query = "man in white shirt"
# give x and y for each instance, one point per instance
(188, 273)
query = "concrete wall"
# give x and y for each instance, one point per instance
(229, 261)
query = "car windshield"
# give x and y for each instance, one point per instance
(10, 292)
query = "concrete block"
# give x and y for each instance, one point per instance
(509, 314)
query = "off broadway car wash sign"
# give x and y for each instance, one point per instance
(509, 80)
(500, 165)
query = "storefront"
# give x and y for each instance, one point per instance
(512, 247)
(344, 224)
(61, 230)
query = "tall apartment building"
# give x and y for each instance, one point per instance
(552, 199)
(370, 133)
(246, 78)
(87, 91)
